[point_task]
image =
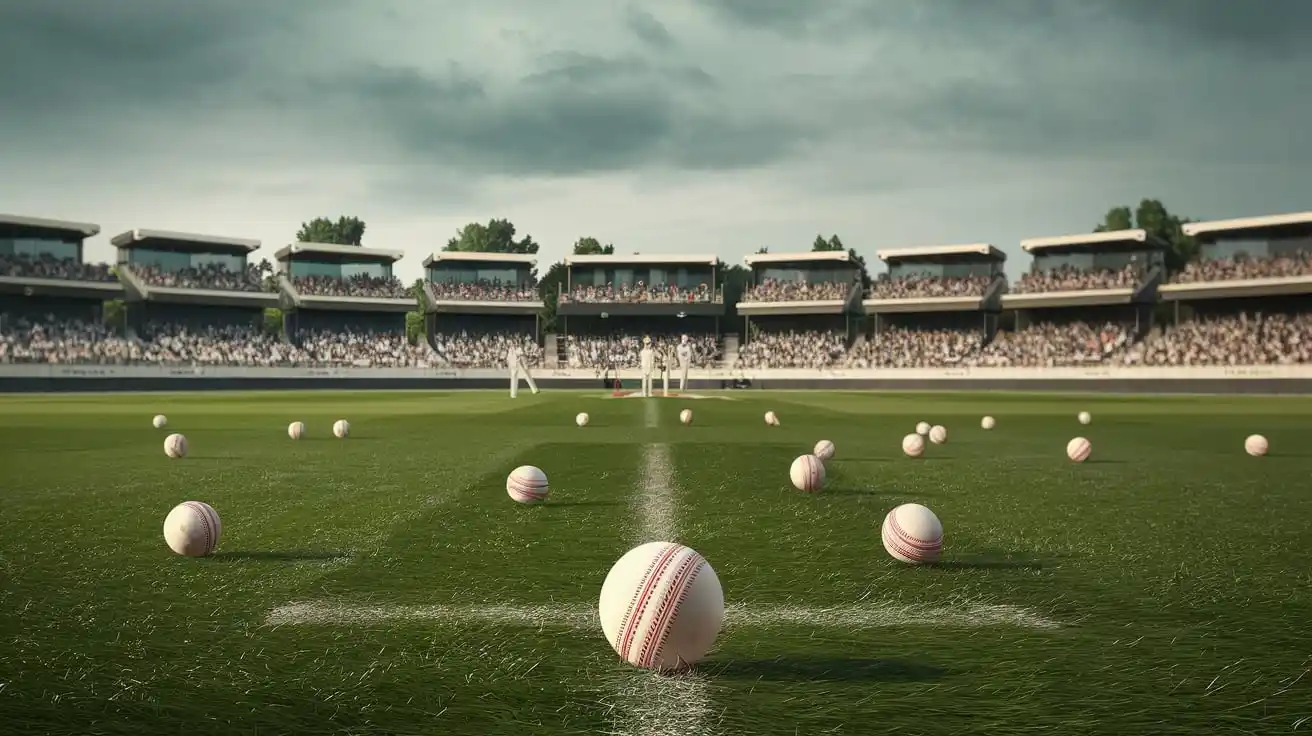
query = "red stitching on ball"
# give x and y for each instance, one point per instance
(675, 593)
(641, 599)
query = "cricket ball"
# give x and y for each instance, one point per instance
(912, 534)
(192, 529)
(527, 484)
(824, 449)
(661, 607)
(807, 473)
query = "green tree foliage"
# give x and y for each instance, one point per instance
(497, 236)
(416, 329)
(115, 314)
(759, 251)
(1151, 215)
(592, 247)
(273, 322)
(345, 231)
(834, 243)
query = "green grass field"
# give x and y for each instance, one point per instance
(386, 584)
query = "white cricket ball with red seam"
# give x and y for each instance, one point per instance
(160, 421)
(341, 429)
(175, 446)
(1256, 445)
(913, 445)
(1079, 449)
(922, 428)
(807, 473)
(661, 607)
(685, 416)
(824, 449)
(912, 534)
(527, 484)
(938, 434)
(296, 430)
(582, 419)
(192, 529)
(772, 419)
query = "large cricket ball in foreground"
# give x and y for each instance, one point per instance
(527, 484)
(912, 534)
(824, 449)
(1256, 445)
(662, 607)
(582, 419)
(341, 429)
(192, 529)
(175, 446)
(296, 430)
(807, 473)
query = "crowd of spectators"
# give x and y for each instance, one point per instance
(1298, 263)
(773, 290)
(348, 348)
(912, 287)
(896, 347)
(211, 276)
(49, 267)
(485, 350)
(1048, 345)
(485, 291)
(1259, 339)
(1067, 278)
(359, 285)
(66, 342)
(621, 351)
(638, 293)
(792, 349)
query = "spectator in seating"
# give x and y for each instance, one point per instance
(359, 285)
(1066, 278)
(348, 348)
(48, 267)
(1273, 339)
(485, 350)
(793, 349)
(640, 293)
(1298, 263)
(896, 347)
(772, 290)
(485, 291)
(912, 287)
(211, 276)
(621, 351)
(1048, 345)
(63, 342)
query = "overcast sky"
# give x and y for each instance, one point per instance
(687, 126)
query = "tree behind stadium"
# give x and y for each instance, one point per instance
(1151, 215)
(345, 231)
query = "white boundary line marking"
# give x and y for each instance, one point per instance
(583, 617)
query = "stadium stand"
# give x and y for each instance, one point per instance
(799, 311)
(479, 304)
(177, 299)
(609, 303)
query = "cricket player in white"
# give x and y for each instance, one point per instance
(515, 362)
(685, 361)
(646, 364)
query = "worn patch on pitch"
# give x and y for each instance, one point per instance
(662, 395)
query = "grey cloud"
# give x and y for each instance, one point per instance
(579, 114)
(645, 26)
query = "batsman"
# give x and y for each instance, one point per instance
(684, 354)
(518, 367)
(646, 364)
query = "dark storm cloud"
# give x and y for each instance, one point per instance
(579, 113)
(60, 55)
(647, 28)
(1259, 27)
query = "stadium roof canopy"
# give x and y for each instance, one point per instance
(935, 252)
(636, 259)
(1244, 224)
(191, 242)
(1136, 239)
(85, 229)
(839, 256)
(331, 252)
(526, 259)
